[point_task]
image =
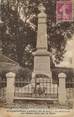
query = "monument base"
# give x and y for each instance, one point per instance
(42, 62)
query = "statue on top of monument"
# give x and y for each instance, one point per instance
(41, 7)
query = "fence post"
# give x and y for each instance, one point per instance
(62, 88)
(10, 87)
(73, 97)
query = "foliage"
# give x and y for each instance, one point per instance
(23, 77)
(19, 32)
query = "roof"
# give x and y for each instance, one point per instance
(4, 58)
(7, 64)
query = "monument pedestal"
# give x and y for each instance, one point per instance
(42, 62)
(42, 80)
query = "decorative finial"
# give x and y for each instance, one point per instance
(41, 7)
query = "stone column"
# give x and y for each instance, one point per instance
(62, 88)
(42, 55)
(10, 87)
(73, 97)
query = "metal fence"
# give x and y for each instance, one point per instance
(36, 88)
(70, 89)
(40, 88)
(3, 84)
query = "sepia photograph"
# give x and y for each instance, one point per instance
(36, 58)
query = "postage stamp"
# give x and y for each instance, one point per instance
(63, 11)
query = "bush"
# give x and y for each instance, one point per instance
(23, 77)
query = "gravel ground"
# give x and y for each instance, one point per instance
(30, 104)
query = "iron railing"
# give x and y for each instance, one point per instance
(3, 84)
(32, 89)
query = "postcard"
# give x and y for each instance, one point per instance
(37, 58)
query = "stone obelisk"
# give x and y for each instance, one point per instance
(41, 55)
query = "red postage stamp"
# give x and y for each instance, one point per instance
(64, 11)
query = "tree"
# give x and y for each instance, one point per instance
(20, 30)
